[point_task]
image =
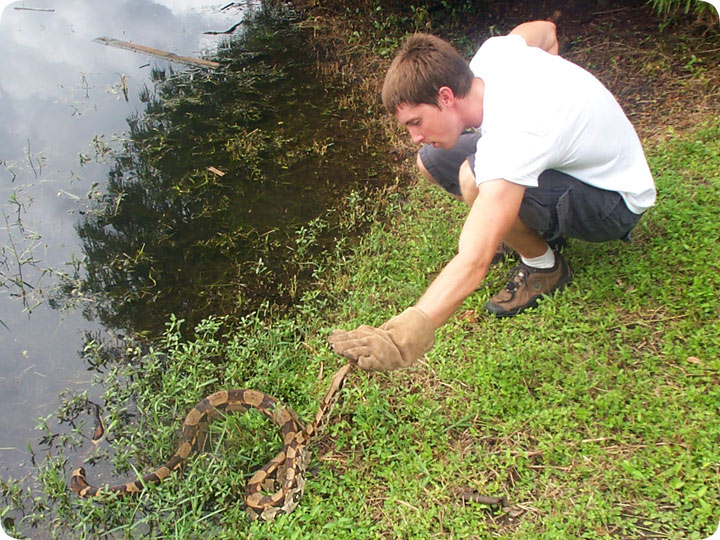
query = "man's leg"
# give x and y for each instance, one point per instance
(429, 177)
(541, 271)
(527, 239)
(560, 205)
(466, 179)
(531, 279)
(441, 167)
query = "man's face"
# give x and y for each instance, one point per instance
(429, 124)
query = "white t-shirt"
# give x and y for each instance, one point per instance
(543, 112)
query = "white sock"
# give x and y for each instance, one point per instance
(545, 261)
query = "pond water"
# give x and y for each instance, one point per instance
(133, 187)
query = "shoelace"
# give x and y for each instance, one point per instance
(517, 280)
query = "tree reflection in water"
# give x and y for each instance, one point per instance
(172, 236)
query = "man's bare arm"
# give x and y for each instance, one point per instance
(540, 34)
(492, 214)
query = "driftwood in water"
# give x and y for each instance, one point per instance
(128, 45)
(228, 31)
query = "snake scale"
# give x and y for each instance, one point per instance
(283, 475)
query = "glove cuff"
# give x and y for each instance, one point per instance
(412, 332)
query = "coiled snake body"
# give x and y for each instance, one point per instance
(284, 474)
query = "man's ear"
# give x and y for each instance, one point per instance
(446, 97)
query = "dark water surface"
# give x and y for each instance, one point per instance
(113, 213)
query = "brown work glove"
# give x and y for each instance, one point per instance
(397, 343)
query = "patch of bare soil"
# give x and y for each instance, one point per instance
(664, 73)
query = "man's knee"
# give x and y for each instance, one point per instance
(430, 178)
(468, 187)
(423, 170)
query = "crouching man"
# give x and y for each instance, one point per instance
(550, 155)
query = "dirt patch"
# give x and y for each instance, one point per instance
(664, 75)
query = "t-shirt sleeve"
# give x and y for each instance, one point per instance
(516, 156)
(493, 50)
(517, 149)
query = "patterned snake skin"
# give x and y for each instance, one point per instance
(283, 476)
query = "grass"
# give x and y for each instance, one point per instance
(595, 413)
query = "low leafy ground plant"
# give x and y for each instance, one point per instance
(594, 414)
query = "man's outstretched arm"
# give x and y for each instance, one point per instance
(406, 337)
(493, 212)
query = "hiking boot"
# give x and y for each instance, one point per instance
(527, 285)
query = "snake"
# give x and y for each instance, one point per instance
(274, 489)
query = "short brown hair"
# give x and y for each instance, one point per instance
(422, 65)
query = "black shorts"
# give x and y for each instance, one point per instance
(560, 205)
